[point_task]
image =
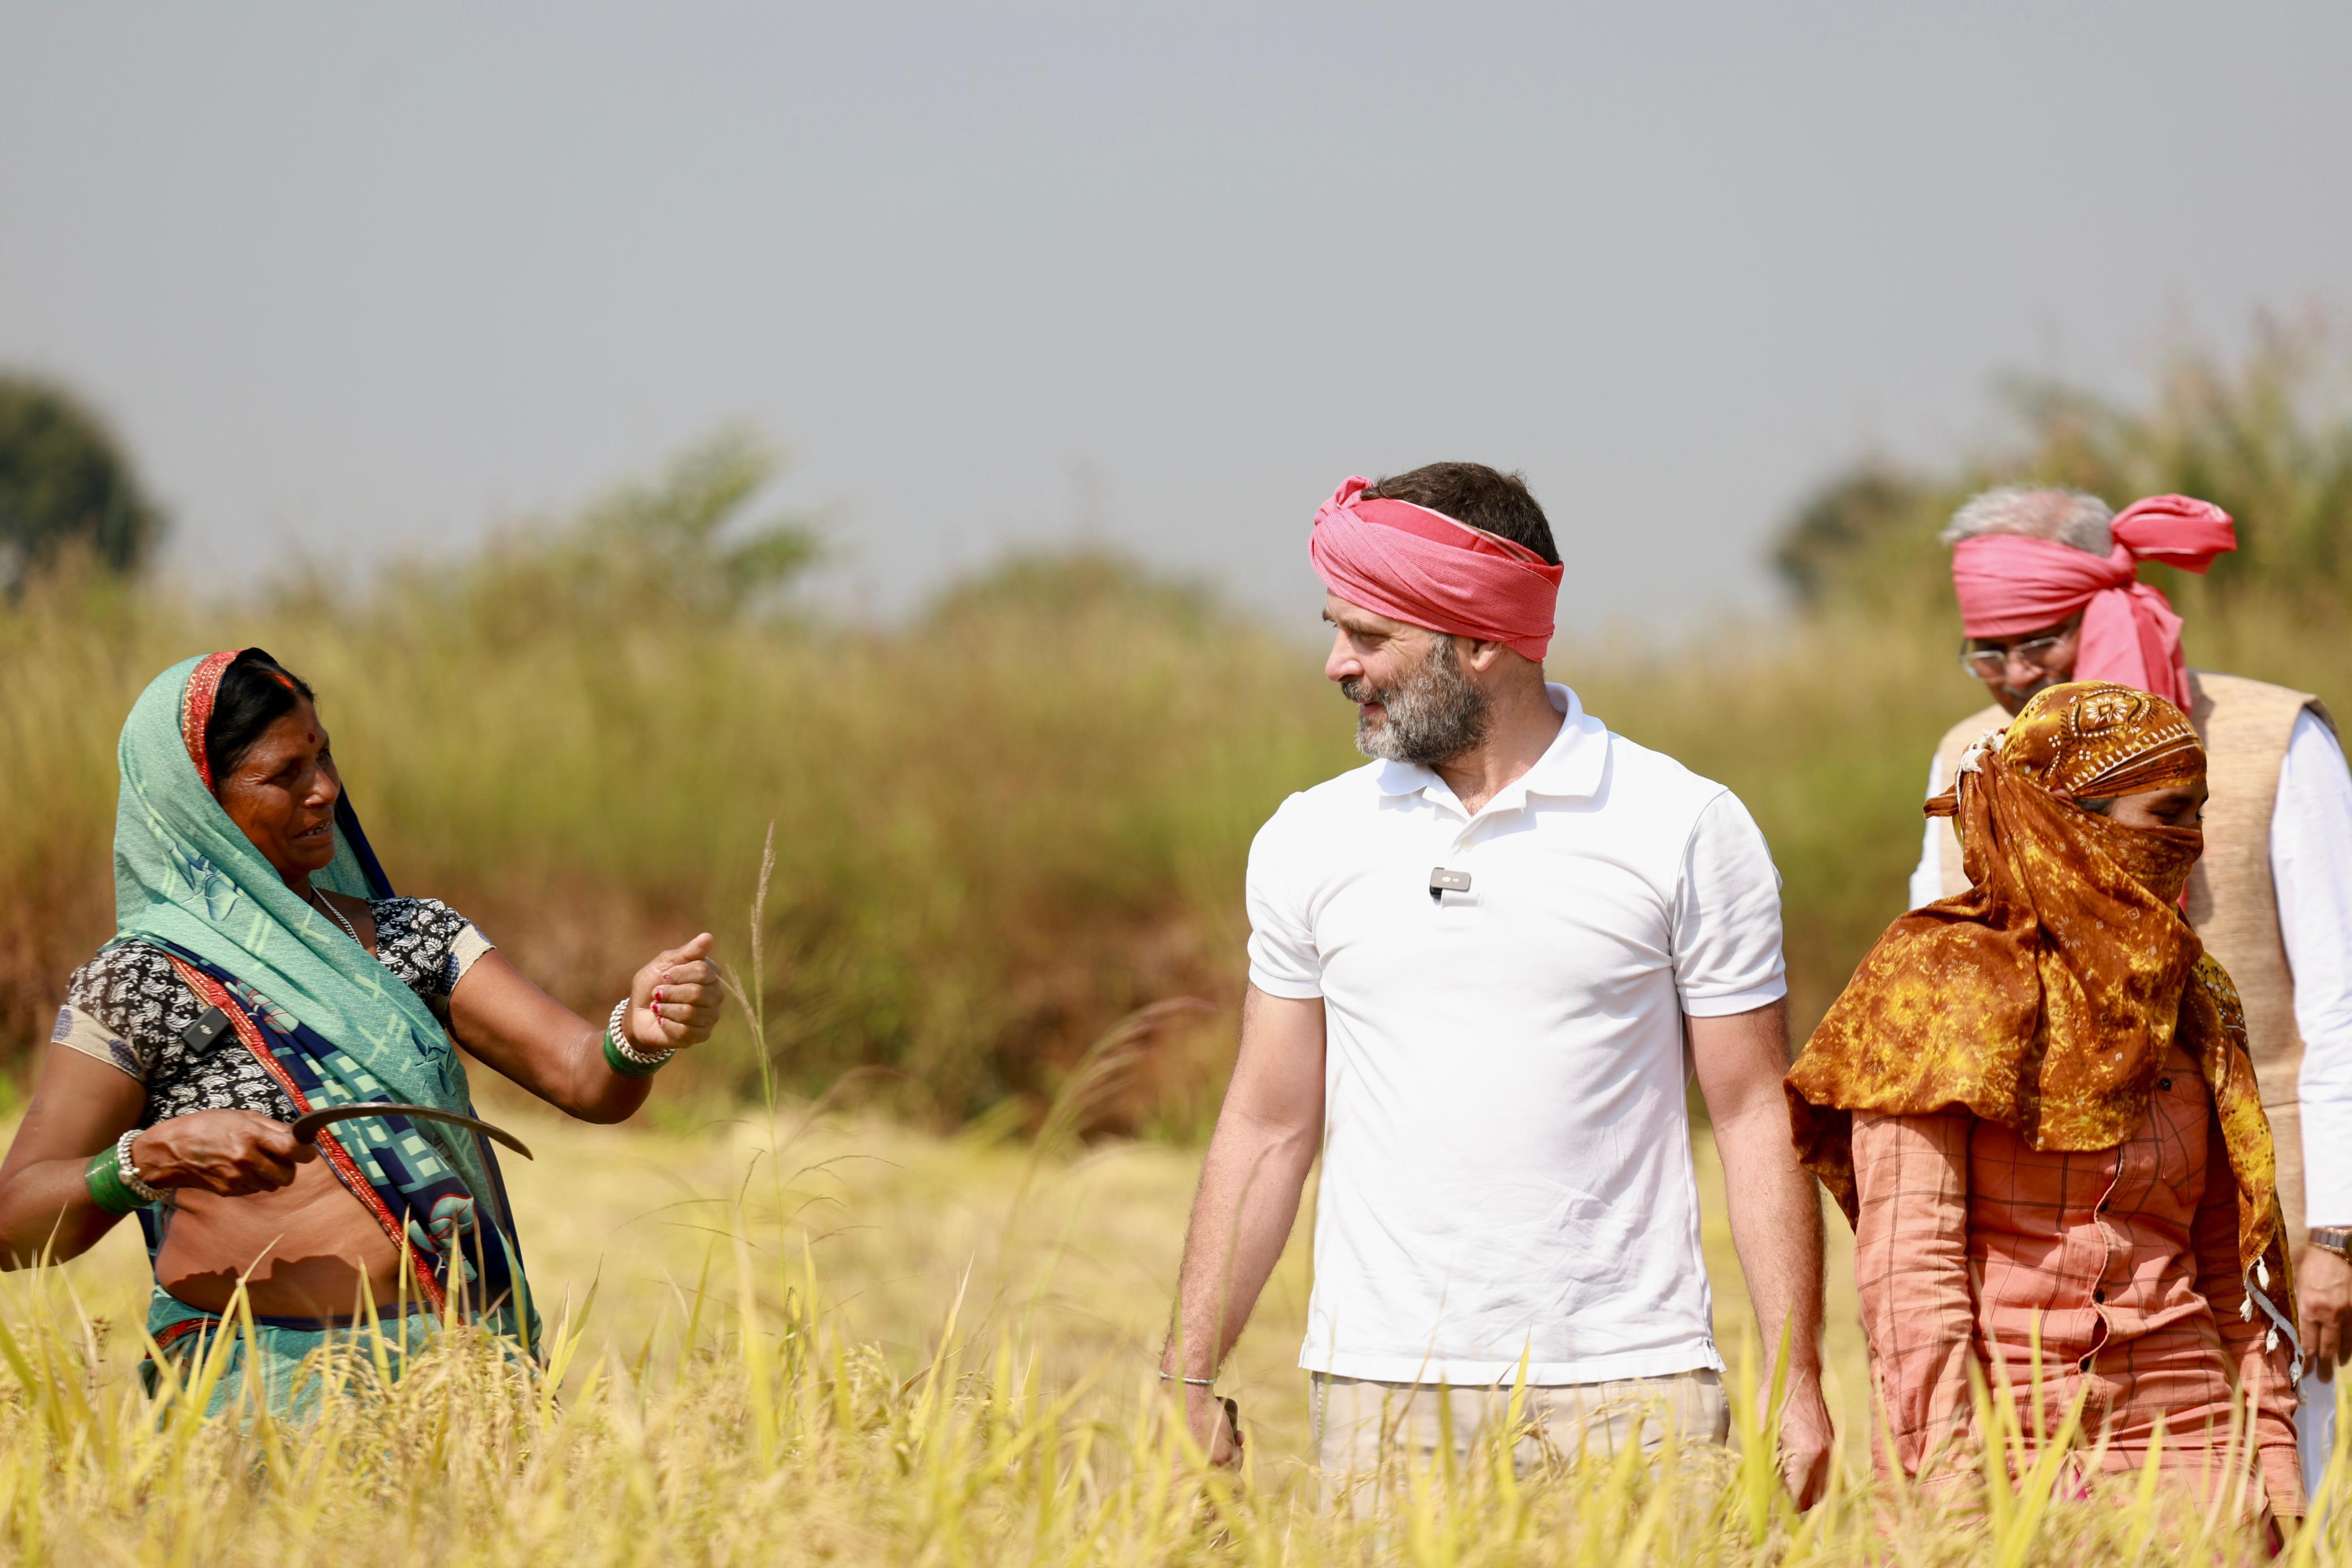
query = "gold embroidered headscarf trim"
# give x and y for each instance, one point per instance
(2045, 996)
(2103, 740)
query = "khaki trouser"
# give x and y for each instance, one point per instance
(1358, 1422)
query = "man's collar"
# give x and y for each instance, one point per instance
(1569, 768)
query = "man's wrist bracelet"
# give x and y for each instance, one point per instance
(114, 1181)
(1189, 1382)
(2335, 1239)
(623, 1058)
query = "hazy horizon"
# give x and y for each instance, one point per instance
(353, 283)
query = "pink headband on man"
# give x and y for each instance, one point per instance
(2008, 585)
(1420, 567)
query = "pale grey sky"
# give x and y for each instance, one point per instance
(365, 278)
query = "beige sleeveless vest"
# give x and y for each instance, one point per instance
(2232, 906)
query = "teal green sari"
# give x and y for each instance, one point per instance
(328, 1021)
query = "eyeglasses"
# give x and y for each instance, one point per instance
(1991, 663)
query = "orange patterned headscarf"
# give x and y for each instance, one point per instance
(2045, 996)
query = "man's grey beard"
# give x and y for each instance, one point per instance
(1434, 713)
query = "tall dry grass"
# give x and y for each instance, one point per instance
(1023, 815)
(995, 831)
(998, 828)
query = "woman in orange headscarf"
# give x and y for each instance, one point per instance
(2034, 1103)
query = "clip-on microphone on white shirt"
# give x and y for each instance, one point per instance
(1442, 882)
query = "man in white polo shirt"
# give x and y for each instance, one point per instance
(1480, 969)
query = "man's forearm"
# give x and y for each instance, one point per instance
(1248, 1199)
(1776, 1220)
(1776, 1227)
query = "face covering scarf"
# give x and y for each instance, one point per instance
(1422, 567)
(2045, 996)
(2008, 585)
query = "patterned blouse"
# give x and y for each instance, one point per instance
(2127, 1256)
(129, 1007)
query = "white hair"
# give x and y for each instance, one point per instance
(2070, 516)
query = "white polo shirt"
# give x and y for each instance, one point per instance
(1507, 1163)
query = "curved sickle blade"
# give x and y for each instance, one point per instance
(306, 1129)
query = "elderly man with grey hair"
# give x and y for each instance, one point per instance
(2272, 897)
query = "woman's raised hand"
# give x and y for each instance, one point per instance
(675, 1000)
(232, 1152)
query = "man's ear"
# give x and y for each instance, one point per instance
(1479, 655)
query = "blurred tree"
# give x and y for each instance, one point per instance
(1046, 589)
(65, 484)
(678, 546)
(2268, 440)
(678, 540)
(1848, 527)
(2266, 437)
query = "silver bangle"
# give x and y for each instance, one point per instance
(1189, 1382)
(617, 1028)
(130, 1172)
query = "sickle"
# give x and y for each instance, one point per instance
(306, 1129)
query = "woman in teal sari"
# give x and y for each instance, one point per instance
(262, 968)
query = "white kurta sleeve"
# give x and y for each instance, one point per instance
(1927, 877)
(2311, 869)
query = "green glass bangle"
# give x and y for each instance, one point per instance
(104, 1175)
(627, 1068)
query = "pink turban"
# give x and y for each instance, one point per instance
(1421, 566)
(2007, 585)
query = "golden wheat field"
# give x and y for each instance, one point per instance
(825, 1338)
(848, 1334)
(917, 1321)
